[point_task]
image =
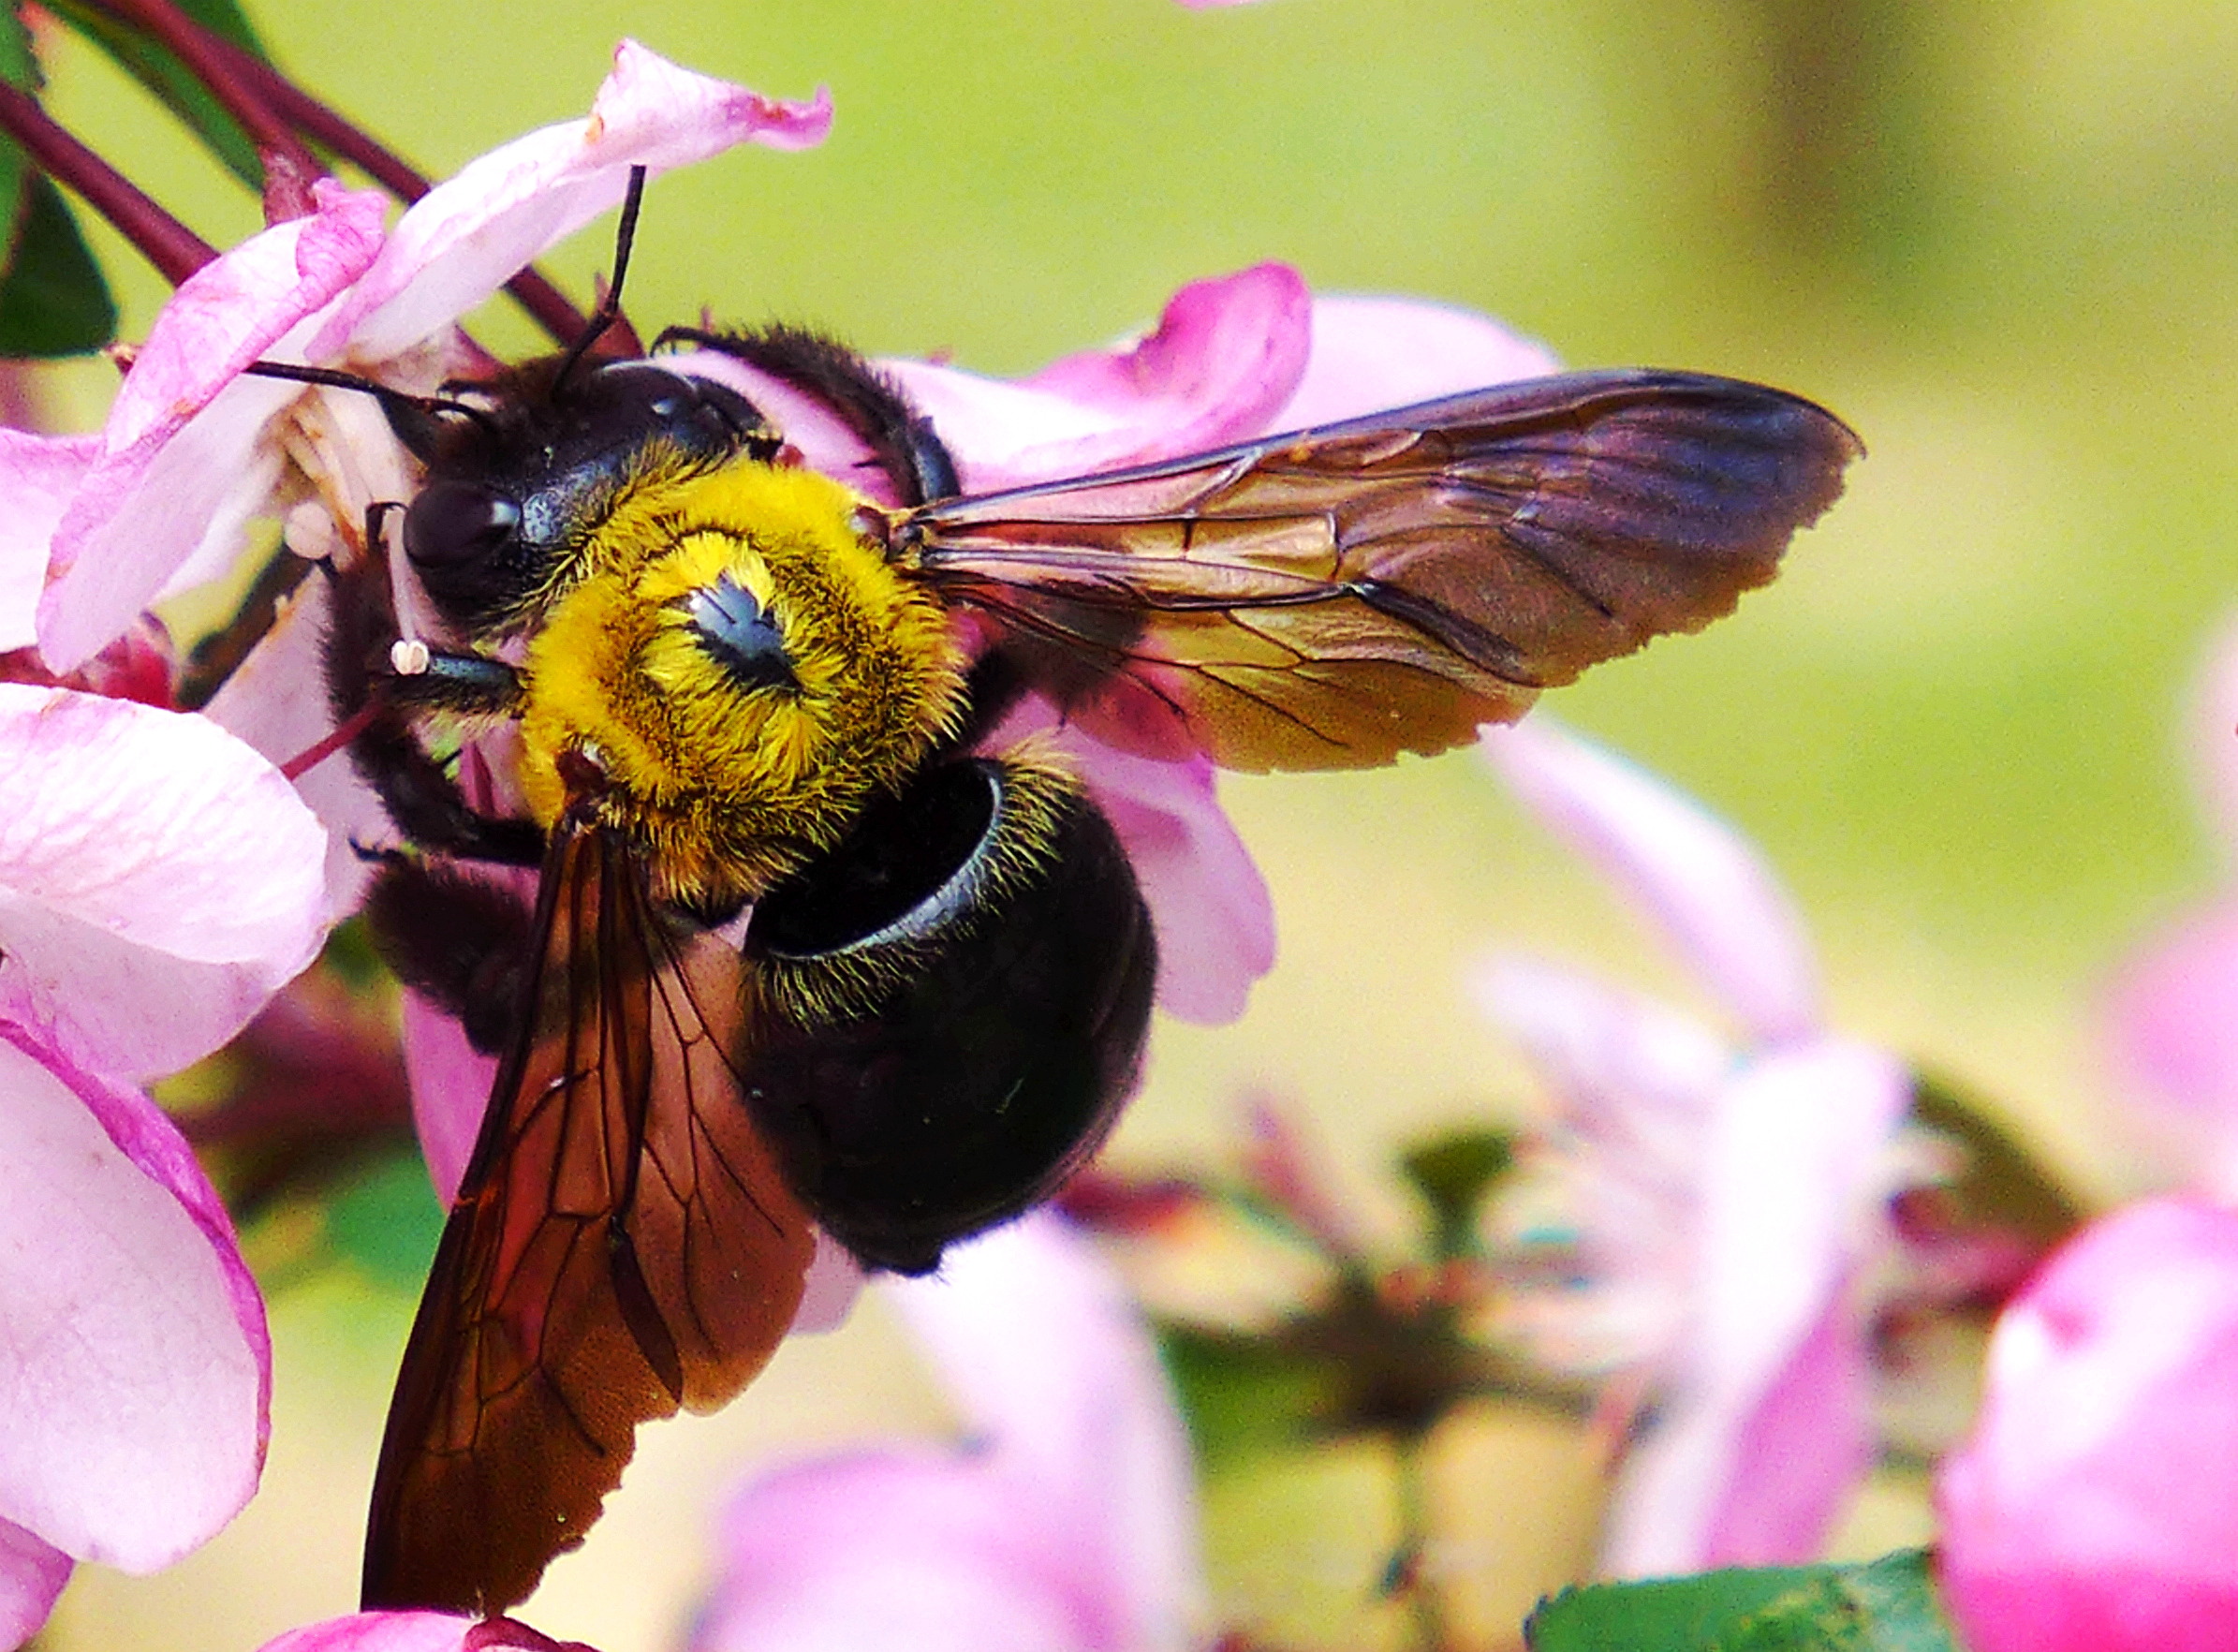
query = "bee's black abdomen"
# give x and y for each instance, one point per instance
(961, 994)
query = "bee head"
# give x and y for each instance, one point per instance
(518, 481)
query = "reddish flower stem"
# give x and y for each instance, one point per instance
(176, 251)
(277, 146)
(545, 303)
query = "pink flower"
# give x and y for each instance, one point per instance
(2096, 1506)
(1067, 1523)
(161, 882)
(417, 1631)
(2172, 1019)
(1725, 1199)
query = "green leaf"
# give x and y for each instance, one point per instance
(1887, 1606)
(1453, 1174)
(19, 64)
(173, 84)
(2002, 1185)
(387, 1220)
(223, 18)
(1243, 1396)
(54, 301)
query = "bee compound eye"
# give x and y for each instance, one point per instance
(454, 524)
(961, 994)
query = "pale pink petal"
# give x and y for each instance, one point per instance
(159, 881)
(450, 1084)
(1609, 1054)
(179, 453)
(469, 235)
(1044, 1353)
(32, 1574)
(1809, 1445)
(133, 1353)
(389, 1632)
(1370, 354)
(1787, 1202)
(930, 1552)
(275, 702)
(1224, 358)
(2173, 1026)
(1718, 902)
(37, 475)
(133, 527)
(834, 1282)
(2095, 1508)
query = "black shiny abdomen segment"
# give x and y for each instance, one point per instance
(893, 868)
(997, 1048)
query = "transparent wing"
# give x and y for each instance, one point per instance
(622, 1246)
(1332, 598)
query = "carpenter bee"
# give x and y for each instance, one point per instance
(804, 952)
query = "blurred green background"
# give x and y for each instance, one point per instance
(1995, 237)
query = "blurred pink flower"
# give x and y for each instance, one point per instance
(1066, 1522)
(158, 882)
(2094, 1508)
(1725, 1199)
(417, 1631)
(2173, 1012)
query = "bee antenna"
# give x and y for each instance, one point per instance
(609, 307)
(416, 420)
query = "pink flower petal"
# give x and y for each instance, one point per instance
(1615, 1059)
(1808, 1445)
(160, 880)
(1787, 1197)
(135, 1361)
(37, 475)
(933, 1553)
(32, 1574)
(276, 702)
(176, 474)
(468, 236)
(2095, 1505)
(1225, 357)
(450, 1084)
(1044, 1353)
(1717, 901)
(1370, 354)
(2173, 1025)
(386, 1631)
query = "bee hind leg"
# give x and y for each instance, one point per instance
(466, 943)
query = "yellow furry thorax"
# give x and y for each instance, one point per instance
(723, 787)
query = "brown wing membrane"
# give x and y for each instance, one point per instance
(1332, 598)
(622, 1246)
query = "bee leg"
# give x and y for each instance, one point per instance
(419, 792)
(872, 405)
(464, 943)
